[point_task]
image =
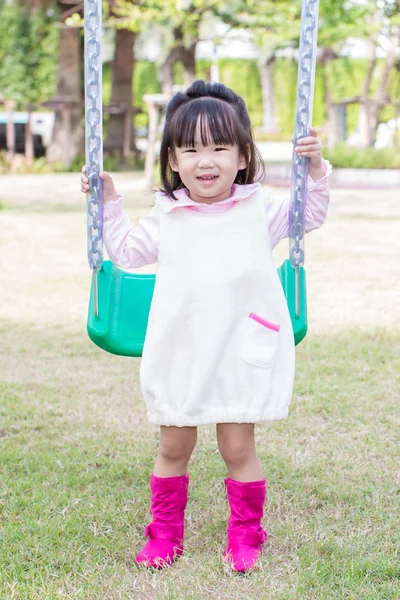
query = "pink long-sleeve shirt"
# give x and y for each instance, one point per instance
(134, 247)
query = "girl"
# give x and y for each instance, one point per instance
(219, 346)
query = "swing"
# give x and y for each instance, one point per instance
(124, 305)
(120, 300)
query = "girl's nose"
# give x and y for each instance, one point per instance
(206, 161)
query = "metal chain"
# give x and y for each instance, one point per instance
(94, 144)
(94, 125)
(305, 93)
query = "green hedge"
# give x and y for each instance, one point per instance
(345, 78)
(363, 158)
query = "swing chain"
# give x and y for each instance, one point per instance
(302, 124)
(94, 149)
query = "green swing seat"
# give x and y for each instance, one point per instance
(124, 300)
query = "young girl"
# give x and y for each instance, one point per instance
(219, 346)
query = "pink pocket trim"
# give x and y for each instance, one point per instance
(264, 323)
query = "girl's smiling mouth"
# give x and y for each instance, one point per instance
(207, 178)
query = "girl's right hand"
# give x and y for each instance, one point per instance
(110, 194)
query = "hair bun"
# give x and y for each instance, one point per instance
(201, 89)
(198, 89)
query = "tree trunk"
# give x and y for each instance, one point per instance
(364, 125)
(67, 139)
(370, 108)
(184, 55)
(329, 54)
(331, 121)
(121, 95)
(167, 73)
(187, 57)
(269, 119)
(380, 97)
(34, 6)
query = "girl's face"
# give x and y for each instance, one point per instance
(208, 172)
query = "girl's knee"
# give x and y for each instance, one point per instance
(236, 446)
(177, 444)
(236, 453)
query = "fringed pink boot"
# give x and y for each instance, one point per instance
(168, 502)
(245, 534)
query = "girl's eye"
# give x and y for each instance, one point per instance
(219, 149)
(189, 150)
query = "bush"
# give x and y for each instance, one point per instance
(110, 163)
(363, 158)
(40, 165)
(19, 165)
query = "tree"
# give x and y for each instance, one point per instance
(384, 24)
(27, 46)
(182, 52)
(178, 23)
(67, 140)
(275, 25)
(36, 6)
(120, 109)
(337, 23)
(122, 67)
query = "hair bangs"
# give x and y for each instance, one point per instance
(207, 120)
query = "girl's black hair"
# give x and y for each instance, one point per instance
(223, 120)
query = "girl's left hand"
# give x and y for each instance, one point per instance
(311, 148)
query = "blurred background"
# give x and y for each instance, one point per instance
(155, 47)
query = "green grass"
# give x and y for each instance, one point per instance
(76, 452)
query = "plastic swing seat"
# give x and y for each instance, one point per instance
(124, 300)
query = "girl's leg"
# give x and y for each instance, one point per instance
(169, 493)
(246, 491)
(174, 451)
(237, 446)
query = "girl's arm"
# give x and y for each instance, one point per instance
(130, 247)
(126, 246)
(316, 208)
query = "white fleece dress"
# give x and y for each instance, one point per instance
(219, 346)
(205, 359)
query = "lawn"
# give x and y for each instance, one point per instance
(76, 449)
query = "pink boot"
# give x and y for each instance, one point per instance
(168, 502)
(245, 534)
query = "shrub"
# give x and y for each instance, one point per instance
(363, 158)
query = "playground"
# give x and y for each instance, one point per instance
(77, 449)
